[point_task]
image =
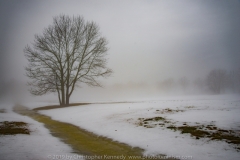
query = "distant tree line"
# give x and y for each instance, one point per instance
(217, 81)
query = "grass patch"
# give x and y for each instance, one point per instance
(12, 128)
(193, 131)
(211, 127)
(154, 119)
(198, 131)
(168, 110)
(172, 127)
(151, 122)
(2, 111)
(147, 123)
(189, 107)
(229, 138)
(212, 132)
(58, 106)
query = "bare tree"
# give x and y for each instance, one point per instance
(217, 80)
(69, 51)
(234, 81)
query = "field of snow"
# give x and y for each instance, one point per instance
(122, 122)
(38, 145)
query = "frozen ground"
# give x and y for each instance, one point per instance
(121, 122)
(39, 145)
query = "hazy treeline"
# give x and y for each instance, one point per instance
(217, 81)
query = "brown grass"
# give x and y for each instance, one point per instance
(199, 131)
(12, 128)
(58, 106)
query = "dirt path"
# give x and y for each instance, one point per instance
(82, 141)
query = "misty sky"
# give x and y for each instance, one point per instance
(148, 40)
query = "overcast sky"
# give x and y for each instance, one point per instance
(148, 40)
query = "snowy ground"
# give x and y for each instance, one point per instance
(120, 121)
(39, 145)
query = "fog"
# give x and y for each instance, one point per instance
(156, 48)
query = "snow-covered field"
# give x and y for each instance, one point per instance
(121, 122)
(39, 145)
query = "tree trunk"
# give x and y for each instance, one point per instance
(67, 100)
(63, 95)
(59, 99)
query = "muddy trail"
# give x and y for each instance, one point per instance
(82, 141)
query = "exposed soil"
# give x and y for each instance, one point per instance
(2, 111)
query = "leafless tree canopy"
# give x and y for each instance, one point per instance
(220, 80)
(69, 51)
